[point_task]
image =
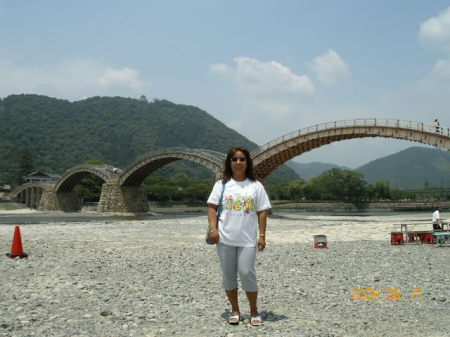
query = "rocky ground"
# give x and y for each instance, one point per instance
(158, 278)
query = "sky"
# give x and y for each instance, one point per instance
(263, 67)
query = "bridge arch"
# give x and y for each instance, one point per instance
(61, 196)
(141, 168)
(276, 152)
(75, 174)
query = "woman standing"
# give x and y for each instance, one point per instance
(244, 205)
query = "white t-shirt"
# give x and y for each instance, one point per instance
(238, 222)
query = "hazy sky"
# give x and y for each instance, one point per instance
(264, 68)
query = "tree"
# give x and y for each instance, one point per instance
(314, 190)
(178, 188)
(90, 188)
(380, 190)
(339, 184)
(26, 165)
(95, 162)
(296, 190)
(278, 190)
(181, 180)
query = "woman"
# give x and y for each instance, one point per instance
(243, 212)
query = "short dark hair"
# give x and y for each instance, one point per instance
(228, 173)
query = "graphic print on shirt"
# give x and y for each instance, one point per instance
(240, 204)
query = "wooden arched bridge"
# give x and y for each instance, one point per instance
(122, 190)
(269, 156)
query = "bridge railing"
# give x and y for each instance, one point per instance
(392, 123)
(81, 167)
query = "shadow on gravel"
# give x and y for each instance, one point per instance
(267, 316)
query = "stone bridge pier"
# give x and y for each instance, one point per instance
(113, 198)
(59, 201)
(122, 199)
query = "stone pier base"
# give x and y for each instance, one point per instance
(61, 201)
(48, 201)
(125, 199)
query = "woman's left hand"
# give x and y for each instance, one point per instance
(261, 243)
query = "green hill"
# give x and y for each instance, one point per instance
(116, 130)
(414, 167)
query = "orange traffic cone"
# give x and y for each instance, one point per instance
(17, 249)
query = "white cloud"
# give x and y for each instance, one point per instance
(441, 71)
(269, 94)
(125, 77)
(437, 82)
(253, 77)
(422, 101)
(436, 31)
(220, 69)
(72, 79)
(330, 68)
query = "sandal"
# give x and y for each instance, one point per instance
(256, 320)
(234, 320)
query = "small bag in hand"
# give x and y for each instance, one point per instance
(219, 210)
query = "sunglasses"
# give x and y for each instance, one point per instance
(241, 159)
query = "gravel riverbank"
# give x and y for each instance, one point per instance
(158, 278)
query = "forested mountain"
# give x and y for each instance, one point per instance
(116, 130)
(415, 167)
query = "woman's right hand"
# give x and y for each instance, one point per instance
(212, 221)
(214, 236)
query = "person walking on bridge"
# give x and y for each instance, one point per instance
(245, 204)
(437, 126)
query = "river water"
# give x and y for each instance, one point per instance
(13, 214)
(24, 216)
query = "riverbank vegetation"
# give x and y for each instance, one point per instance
(332, 185)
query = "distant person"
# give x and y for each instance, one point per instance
(244, 214)
(437, 126)
(437, 220)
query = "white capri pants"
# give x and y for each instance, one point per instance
(238, 260)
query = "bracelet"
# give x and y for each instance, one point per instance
(213, 230)
(262, 235)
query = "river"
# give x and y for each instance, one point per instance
(327, 218)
